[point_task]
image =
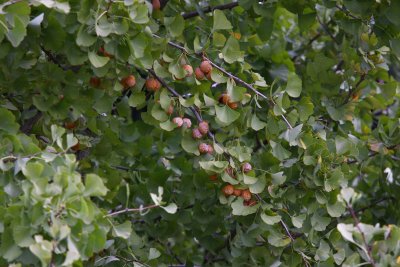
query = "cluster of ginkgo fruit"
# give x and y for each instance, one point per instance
(230, 190)
(203, 71)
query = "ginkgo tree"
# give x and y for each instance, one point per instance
(199, 133)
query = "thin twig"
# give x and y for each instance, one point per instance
(326, 29)
(367, 247)
(176, 94)
(230, 75)
(287, 230)
(131, 210)
(354, 90)
(210, 9)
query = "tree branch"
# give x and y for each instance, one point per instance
(367, 247)
(176, 94)
(230, 75)
(131, 210)
(210, 9)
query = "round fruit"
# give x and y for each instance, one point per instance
(199, 74)
(153, 85)
(203, 127)
(224, 99)
(178, 121)
(128, 81)
(203, 148)
(196, 134)
(170, 110)
(156, 4)
(188, 69)
(95, 81)
(208, 75)
(187, 122)
(237, 192)
(246, 167)
(206, 67)
(70, 125)
(213, 177)
(61, 97)
(246, 195)
(228, 189)
(76, 147)
(233, 105)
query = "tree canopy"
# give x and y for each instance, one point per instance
(199, 133)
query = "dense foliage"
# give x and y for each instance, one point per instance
(207, 133)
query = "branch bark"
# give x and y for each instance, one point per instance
(176, 94)
(367, 247)
(230, 75)
(131, 210)
(210, 9)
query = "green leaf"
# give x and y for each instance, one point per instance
(319, 223)
(226, 115)
(42, 249)
(264, 29)
(247, 179)
(220, 21)
(214, 166)
(256, 123)
(278, 178)
(298, 220)
(170, 208)
(123, 230)
(277, 239)
(239, 209)
(7, 121)
(279, 151)
(305, 108)
(231, 51)
(83, 38)
(94, 186)
(271, 219)
(323, 251)
(175, 25)
(17, 33)
(336, 209)
(294, 85)
(33, 170)
(137, 99)
(190, 145)
(98, 61)
(259, 186)
(168, 125)
(8, 249)
(139, 14)
(154, 254)
(335, 179)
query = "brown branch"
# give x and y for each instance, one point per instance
(347, 12)
(28, 125)
(230, 75)
(354, 90)
(131, 210)
(326, 29)
(53, 59)
(176, 94)
(287, 230)
(210, 9)
(357, 222)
